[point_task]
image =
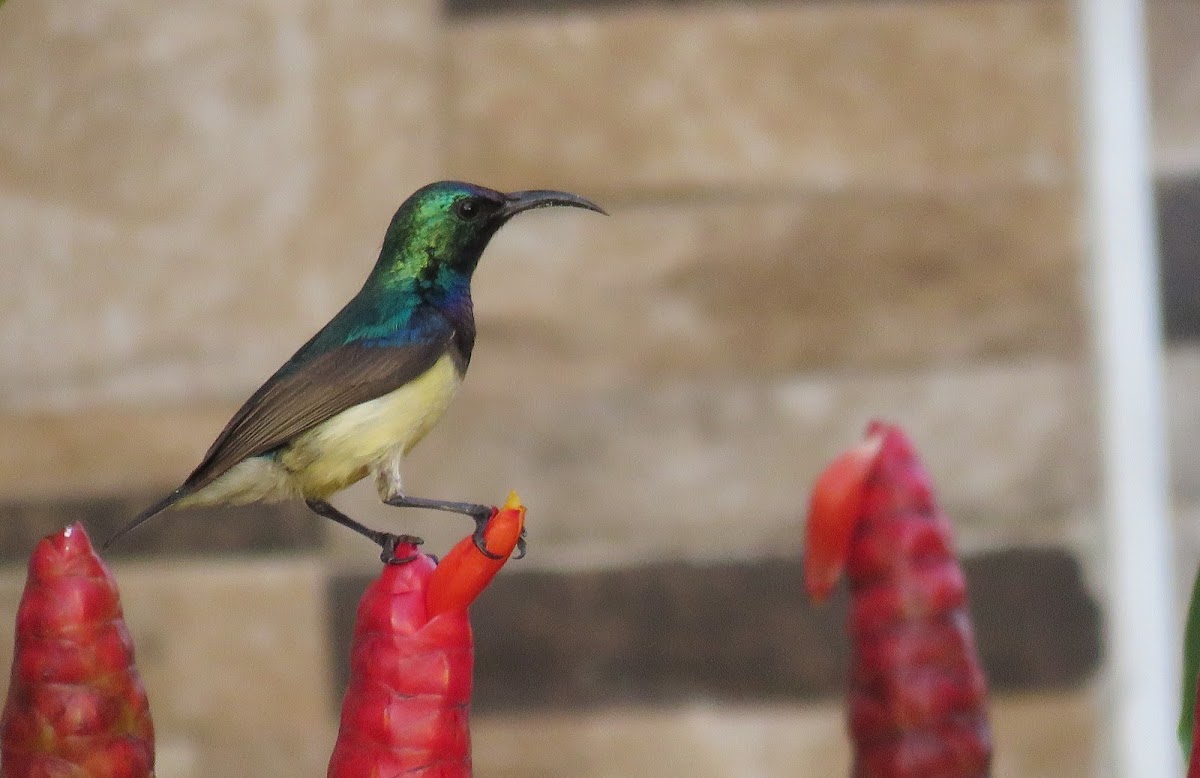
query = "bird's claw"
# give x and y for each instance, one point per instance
(479, 538)
(389, 543)
(481, 541)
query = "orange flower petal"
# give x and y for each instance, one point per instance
(466, 571)
(833, 513)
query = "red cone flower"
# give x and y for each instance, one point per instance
(76, 707)
(917, 691)
(405, 712)
(1193, 755)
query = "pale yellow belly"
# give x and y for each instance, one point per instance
(344, 449)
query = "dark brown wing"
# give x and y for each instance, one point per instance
(294, 402)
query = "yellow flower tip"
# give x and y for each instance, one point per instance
(513, 502)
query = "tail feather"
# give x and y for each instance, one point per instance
(146, 515)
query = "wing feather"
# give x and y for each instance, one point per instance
(294, 401)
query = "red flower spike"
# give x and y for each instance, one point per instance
(917, 692)
(406, 709)
(834, 511)
(466, 571)
(1193, 770)
(76, 705)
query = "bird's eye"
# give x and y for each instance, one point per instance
(467, 208)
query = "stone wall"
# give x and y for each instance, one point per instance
(821, 212)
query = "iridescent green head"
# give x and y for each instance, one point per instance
(438, 234)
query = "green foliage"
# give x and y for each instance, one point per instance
(1191, 670)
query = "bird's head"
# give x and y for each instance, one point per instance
(438, 234)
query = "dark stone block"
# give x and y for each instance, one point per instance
(736, 632)
(253, 529)
(1179, 254)
(657, 634)
(342, 596)
(1035, 623)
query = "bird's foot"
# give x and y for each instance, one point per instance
(389, 543)
(481, 522)
(481, 540)
(480, 514)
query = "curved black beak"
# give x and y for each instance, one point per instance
(516, 202)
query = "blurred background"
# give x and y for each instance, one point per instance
(821, 212)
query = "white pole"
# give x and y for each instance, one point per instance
(1144, 652)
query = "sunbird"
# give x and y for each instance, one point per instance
(356, 398)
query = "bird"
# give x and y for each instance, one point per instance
(368, 386)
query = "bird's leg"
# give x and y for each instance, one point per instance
(391, 491)
(479, 513)
(385, 540)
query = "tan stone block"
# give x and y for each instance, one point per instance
(705, 741)
(910, 95)
(231, 651)
(103, 451)
(177, 182)
(304, 753)
(1185, 544)
(766, 288)
(712, 469)
(12, 583)
(380, 92)
(181, 756)
(1050, 735)
(761, 288)
(1173, 52)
